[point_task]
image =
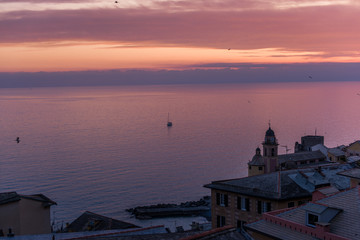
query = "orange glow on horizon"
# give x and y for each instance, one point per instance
(103, 56)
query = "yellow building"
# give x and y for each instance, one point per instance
(353, 149)
(256, 166)
(24, 214)
(336, 155)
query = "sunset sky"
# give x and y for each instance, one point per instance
(78, 35)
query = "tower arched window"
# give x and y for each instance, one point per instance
(272, 152)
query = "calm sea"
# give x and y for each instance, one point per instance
(105, 149)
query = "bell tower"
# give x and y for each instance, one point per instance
(270, 151)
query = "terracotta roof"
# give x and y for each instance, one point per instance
(275, 231)
(222, 233)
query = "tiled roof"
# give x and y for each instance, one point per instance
(353, 173)
(336, 152)
(223, 233)
(257, 160)
(356, 142)
(152, 232)
(301, 156)
(347, 223)
(328, 190)
(353, 159)
(344, 223)
(264, 185)
(310, 180)
(277, 232)
(41, 198)
(89, 221)
(294, 183)
(8, 197)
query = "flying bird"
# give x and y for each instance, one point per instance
(116, 2)
(17, 140)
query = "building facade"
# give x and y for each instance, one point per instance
(353, 149)
(244, 200)
(307, 142)
(24, 214)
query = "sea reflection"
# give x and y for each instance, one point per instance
(107, 149)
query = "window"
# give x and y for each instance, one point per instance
(263, 207)
(259, 207)
(266, 207)
(291, 204)
(220, 221)
(247, 205)
(272, 152)
(243, 204)
(260, 168)
(222, 199)
(312, 219)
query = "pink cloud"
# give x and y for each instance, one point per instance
(331, 29)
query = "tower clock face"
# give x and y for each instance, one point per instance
(272, 139)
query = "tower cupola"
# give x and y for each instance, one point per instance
(270, 151)
(270, 137)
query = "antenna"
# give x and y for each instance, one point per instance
(286, 148)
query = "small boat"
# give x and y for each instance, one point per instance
(169, 124)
